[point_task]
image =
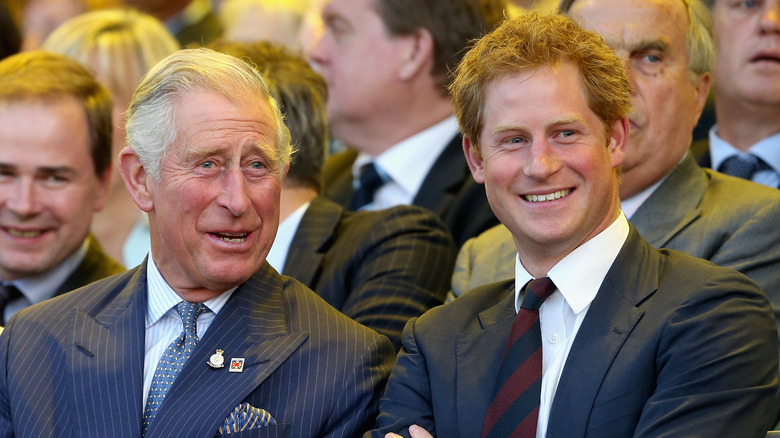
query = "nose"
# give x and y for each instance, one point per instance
(234, 194)
(22, 199)
(770, 17)
(542, 162)
(317, 50)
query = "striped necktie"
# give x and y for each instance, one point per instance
(173, 360)
(514, 410)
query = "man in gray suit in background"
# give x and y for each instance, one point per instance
(204, 338)
(667, 47)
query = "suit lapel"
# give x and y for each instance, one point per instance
(444, 179)
(478, 350)
(610, 320)
(311, 241)
(253, 326)
(674, 205)
(107, 361)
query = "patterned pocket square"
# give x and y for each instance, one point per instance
(246, 417)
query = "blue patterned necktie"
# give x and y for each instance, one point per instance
(173, 360)
(743, 167)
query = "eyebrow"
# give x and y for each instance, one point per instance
(651, 45)
(46, 170)
(557, 122)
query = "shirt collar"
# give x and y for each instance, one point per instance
(161, 297)
(578, 276)
(768, 149)
(43, 287)
(277, 256)
(407, 163)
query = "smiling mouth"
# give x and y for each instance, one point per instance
(26, 234)
(232, 238)
(548, 197)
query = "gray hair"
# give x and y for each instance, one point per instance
(698, 37)
(151, 117)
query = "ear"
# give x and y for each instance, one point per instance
(618, 140)
(104, 187)
(418, 54)
(474, 160)
(702, 85)
(136, 179)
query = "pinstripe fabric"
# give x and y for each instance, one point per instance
(163, 324)
(314, 370)
(173, 360)
(380, 268)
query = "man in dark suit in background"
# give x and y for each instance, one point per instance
(378, 267)
(204, 338)
(55, 161)
(387, 64)
(746, 140)
(631, 341)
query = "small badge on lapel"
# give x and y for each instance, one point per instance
(236, 364)
(217, 360)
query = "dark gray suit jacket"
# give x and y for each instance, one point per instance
(378, 267)
(73, 366)
(448, 190)
(672, 346)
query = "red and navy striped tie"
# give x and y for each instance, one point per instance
(514, 410)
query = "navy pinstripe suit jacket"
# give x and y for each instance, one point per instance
(72, 366)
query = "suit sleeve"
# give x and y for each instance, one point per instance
(405, 271)
(716, 364)
(358, 404)
(753, 250)
(407, 399)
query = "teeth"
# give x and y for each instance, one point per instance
(548, 197)
(232, 238)
(25, 234)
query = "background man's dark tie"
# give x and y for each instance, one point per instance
(741, 167)
(8, 293)
(370, 181)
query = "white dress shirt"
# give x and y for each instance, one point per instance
(406, 164)
(163, 323)
(767, 149)
(578, 277)
(277, 256)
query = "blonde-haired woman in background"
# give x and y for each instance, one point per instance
(119, 46)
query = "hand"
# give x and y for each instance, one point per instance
(414, 430)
